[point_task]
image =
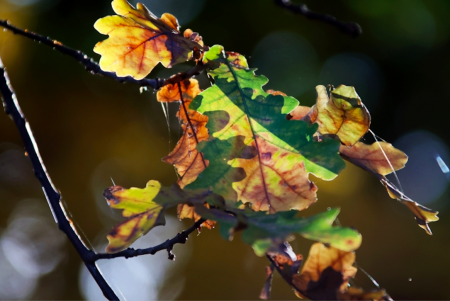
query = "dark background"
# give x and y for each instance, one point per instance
(90, 129)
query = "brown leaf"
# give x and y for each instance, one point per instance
(422, 214)
(380, 157)
(325, 273)
(185, 157)
(371, 159)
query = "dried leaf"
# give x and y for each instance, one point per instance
(144, 209)
(256, 155)
(372, 159)
(138, 40)
(185, 157)
(343, 114)
(422, 214)
(380, 157)
(325, 273)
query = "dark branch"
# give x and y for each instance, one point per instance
(351, 28)
(180, 238)
(94, 68)
(12, 108)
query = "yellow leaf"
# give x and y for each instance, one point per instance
(138, 41)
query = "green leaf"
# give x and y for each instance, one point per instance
(256, 155)
(265, 232)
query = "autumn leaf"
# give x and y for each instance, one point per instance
(138, 41)
(325, 273)
(422, 214)
(144, 209)
(380, 157)
(266, 232)
(255, 155)
(342, 114)
(187, 160)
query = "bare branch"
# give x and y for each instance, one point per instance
(351, 28)
(12, 108)
(94, 68)
(180, 238)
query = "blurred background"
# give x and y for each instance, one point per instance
(92, 129)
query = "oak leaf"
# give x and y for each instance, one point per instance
(257, 156)
(138, 41)
(325, 273)
(144, 209)
(422, 214)
(187, 160)
(342, 114)
(380, 157)
(267, 232)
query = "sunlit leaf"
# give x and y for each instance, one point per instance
(343, 114)
(257, 156)
(380, 157)
(138, 40)
(325, 272)
(185, 157)
(265, 232)
(144, 209)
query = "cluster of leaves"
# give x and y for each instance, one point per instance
(245, 155)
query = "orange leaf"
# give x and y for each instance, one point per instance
(185, 157)
(138, 41)
(379, 157)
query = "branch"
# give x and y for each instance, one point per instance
(351, 28)
(180, 238)
(12, 108)
(94, 68)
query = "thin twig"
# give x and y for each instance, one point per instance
(351, 28)
(180, 238)
(12, 108)
(94, 68)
